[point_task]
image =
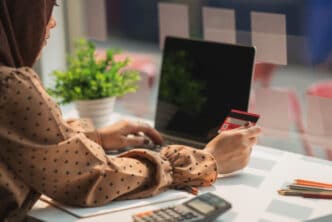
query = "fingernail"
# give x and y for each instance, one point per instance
(247, 124)
(146, 141)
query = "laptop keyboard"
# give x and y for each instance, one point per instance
(167, 141)
(171, 141)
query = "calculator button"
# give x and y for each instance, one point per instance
(187, 216)
(147, 219)
(164, 215)
(194, 216)
(170, 212)
(144, 214)
(156, 218)
(190, 214)
(181, 209)
(178, 210)
(137, 219)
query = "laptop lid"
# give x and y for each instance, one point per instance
(200, 82)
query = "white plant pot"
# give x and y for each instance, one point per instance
(98, 110)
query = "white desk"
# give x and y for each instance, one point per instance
(252, 192)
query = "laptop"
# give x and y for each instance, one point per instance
(200, 82)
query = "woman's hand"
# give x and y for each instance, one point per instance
(232, 148)
(125, 133)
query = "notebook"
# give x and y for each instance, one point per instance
(116, 206)
(200, 82)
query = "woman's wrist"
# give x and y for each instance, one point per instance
(209, 148)
(100, 137)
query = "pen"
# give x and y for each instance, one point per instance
(312, 183)
(319, 196)
(308, 188)
(190, 189)
(305, 194)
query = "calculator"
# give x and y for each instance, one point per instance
(205, 207)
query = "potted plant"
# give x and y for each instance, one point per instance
(93, 84)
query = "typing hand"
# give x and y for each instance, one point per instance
(128, 134)
(232, 148)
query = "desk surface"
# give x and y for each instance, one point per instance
(252, 192)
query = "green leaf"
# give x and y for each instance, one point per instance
(88, 79)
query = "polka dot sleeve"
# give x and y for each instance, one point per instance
(178, 166)
(85, 126)
(190, 166)
(54, 158)
(58, 159)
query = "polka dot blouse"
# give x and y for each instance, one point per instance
(40, 153)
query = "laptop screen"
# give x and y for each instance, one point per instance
(200, 83)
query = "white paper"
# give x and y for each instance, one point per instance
(173, 21)
(219, 25)
(269, 37)
(116, 206)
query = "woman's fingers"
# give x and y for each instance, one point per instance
(150, 132)
(252, 132)
(252, 141)
(70, 120)
(136, 141)
(245, 146)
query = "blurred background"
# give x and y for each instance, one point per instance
(292, 88)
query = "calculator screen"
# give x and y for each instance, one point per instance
(201, 206)
(206, 203)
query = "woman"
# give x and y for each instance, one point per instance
(40, 153)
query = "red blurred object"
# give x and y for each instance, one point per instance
(323, 90)
(298, 119)
(263, 73)
(283, 105)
